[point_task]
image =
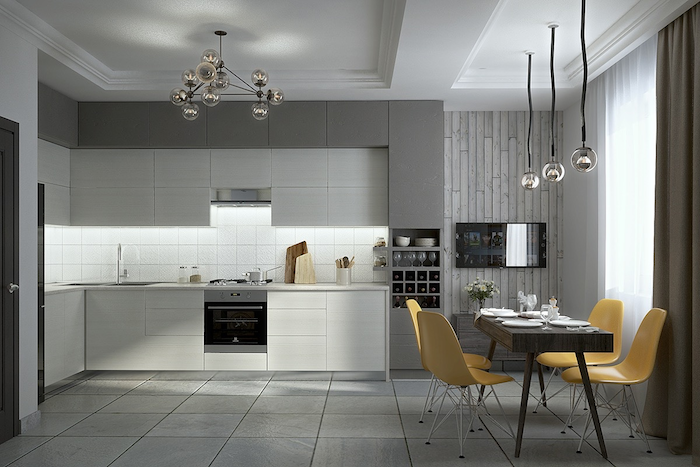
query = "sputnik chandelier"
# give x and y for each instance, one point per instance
(210, 77)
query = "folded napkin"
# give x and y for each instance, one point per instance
(531, 314)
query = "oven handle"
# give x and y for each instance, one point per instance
(248, 307)
(234, 320)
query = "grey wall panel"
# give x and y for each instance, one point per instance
(167, 128)
(415, 164)
(357, 124)
(231, 124)
(58, 117)
(113, 124)
(298, 124)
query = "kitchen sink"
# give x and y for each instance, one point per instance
(109, 284)
(131, 283)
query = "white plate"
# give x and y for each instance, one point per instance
(569, 322)
(503, 312)
(488, 314)
(517, 323)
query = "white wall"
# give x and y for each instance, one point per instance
(583, 264)
(19, 102)
(242, 239)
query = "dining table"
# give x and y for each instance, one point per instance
(535, 340)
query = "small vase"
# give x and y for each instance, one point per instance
(479, 305)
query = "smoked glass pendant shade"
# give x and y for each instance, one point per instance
(553, 171)
(260, 110)
(530, 180)
(584, 159)
(190, 111)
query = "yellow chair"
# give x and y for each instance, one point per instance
(443, 357)
(634, 369)
(607, 315)
(472, 360)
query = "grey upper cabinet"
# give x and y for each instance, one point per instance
(299, 168)
(113, 124)
(231, 124)
(298, 124)
(357, 124)
(54, 173)
(299, 206)
(112, 168)
(182, 168)
(358, 167)
(182, 206)
(112, 206)
(58, 117)
(241, 168)
(416, 174)
(167, 128)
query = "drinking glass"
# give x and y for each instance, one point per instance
(422, 256)
(411, 257)
(397, 258)
(547, 315)
(432, 256)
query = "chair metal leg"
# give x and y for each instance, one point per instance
(429, 398)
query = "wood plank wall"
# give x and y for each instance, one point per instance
(485, 157)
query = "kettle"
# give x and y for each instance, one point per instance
(253, 276)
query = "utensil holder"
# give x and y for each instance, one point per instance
(343, 276)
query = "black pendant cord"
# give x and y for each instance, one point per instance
(585, 72)
(551, 72)
(529, 101)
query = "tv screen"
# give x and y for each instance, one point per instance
(501, 245)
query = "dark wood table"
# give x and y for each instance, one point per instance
(533, 341)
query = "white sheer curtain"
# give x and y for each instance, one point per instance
(629, 88)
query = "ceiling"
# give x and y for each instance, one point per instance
(468, 53)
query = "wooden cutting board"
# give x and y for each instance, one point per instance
(304, 272)
(290, 262)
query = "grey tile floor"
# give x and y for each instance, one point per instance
(217, 419)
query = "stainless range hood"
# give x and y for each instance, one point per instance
(235, 197)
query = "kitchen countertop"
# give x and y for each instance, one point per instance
(58, 287)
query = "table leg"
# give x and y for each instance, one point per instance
(540, 377)
(529, 358)
(591, 401)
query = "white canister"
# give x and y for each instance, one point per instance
(343, 276)
(184, 275)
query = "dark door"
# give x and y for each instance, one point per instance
(9, 296)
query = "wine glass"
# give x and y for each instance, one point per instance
(547, 315)
(422, 256)
(397, 258)
(432, 257)
(411, 257)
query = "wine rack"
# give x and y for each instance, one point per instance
(415, 271)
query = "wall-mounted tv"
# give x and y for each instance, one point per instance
(501, 245)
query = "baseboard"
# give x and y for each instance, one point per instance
(30, 421)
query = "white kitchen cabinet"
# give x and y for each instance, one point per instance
(356, 331)
(174, 313)
(117, 339)
(299, 206)
(182, 168)
(64, 336)
(56, 204)
(241, 168)
(182, 206)
(296, 331)
(235, 361)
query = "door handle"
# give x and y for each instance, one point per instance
(12, 287)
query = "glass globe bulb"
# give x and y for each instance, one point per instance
(206, 72)
(221, 81)
(210, 96)
(584, 159)
(275, 96)
(259, 77)
(260, 110)
(553, 171)
(211, 56)
(178, 96)
(530, 180)
(190, 111)
(189, 77)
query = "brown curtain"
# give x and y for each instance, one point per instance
(672, 408)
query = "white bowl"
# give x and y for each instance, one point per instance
(402, 241)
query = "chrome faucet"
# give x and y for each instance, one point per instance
(120, 258)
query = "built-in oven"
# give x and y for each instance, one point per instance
(235, 320)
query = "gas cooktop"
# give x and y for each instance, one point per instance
(234, 282)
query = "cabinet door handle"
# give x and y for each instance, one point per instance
(12, 287)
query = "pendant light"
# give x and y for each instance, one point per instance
(530, 180)
(584, 159)
(553, 170)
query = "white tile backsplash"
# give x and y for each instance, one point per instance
(243, 239)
